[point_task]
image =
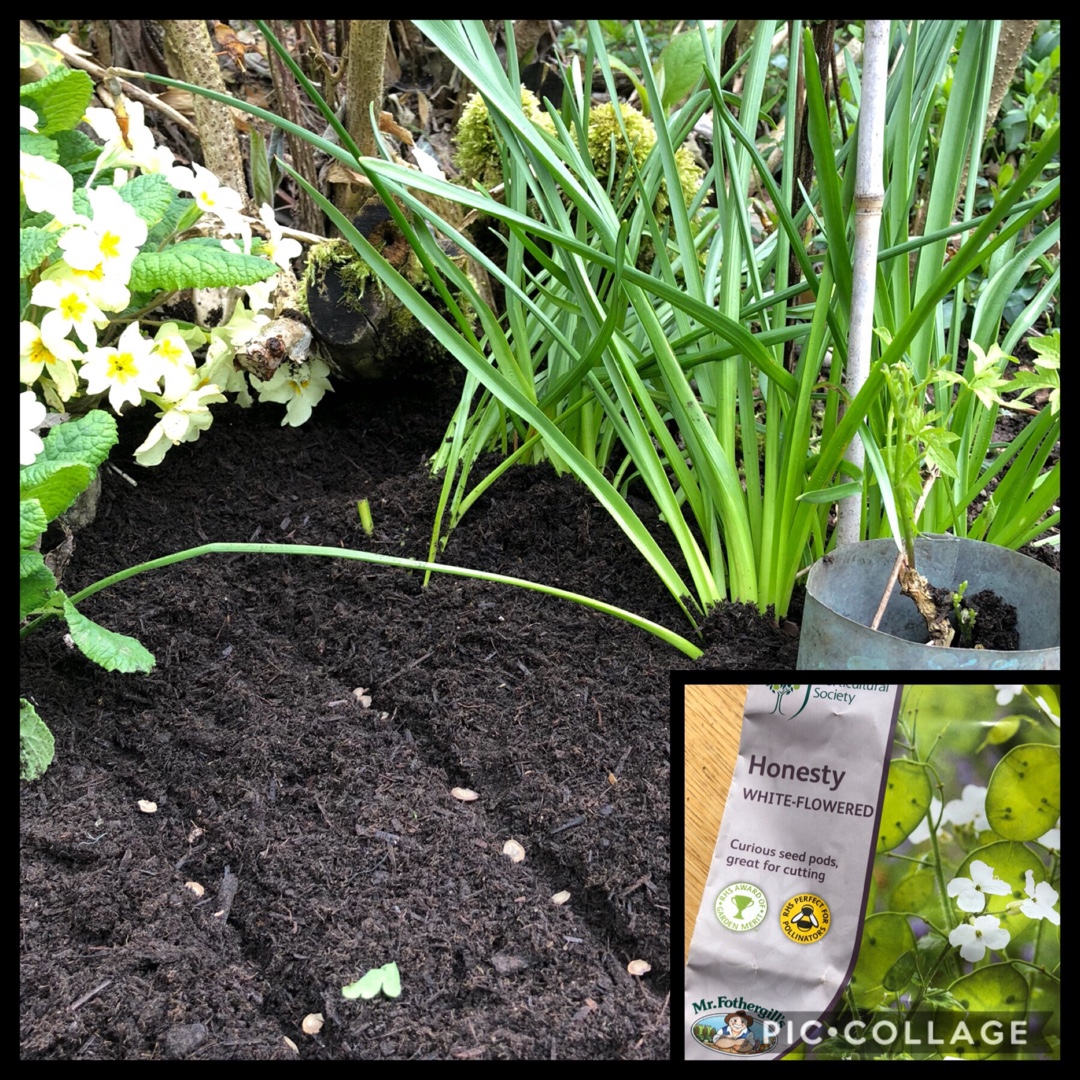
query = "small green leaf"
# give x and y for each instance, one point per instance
(36, 583)
(36, 744)
(386, 978)
(114, 652)
(53, 486)
(682, 62)
(32, 521)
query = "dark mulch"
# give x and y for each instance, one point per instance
(332, 817)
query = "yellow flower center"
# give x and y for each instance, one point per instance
(73, 307)
(122, 367)
(109, 245)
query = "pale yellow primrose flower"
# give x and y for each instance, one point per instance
(31, 416)
(71, 307)
(54, 358)
(28, 118)
(111, 241)
(177, 363)
(181, 422)
(300, 386)
(125, 369)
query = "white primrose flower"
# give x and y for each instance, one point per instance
(28, 119)
(109, 292)
(126, 370)
(48, 187)
(1043, 899)
(54, 358)
(71, 307)
(280, 249)
(182, 421)
(1005, 694)
(299, 386)
(135, 146)
(31, 417)
(977, 935)
(971, 892)
(969, 808)
(211, 196)
(109, 242)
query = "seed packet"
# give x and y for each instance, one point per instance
(884, 883)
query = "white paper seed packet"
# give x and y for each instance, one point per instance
(948, 944)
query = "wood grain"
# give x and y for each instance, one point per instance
(713, 724)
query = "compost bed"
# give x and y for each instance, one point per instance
(322, 824)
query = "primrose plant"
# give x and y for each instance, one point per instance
(964, 915)
(108, 237)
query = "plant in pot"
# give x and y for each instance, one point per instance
(993, 605)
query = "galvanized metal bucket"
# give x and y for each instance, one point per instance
(843, 591)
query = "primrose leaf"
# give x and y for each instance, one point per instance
(191, 264)
(60, 99)
(86, 439)
(36, 744)
(32, 521)
(114, 652)
(35, 246)
(53, 486)
(150, 195)
(36, 583)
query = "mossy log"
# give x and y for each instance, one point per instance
(364, 331)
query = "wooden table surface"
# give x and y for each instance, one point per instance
(713, 723)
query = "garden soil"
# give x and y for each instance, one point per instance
(301, 735)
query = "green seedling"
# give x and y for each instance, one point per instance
(363, 508)
(386, 978)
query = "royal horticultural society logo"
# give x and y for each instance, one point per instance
(781, 690)
(741, 906)
(805, 918)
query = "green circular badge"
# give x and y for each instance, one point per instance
(741, 906)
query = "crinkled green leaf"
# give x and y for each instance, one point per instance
(55, 486)
(114, 652)
(60, 99)
(78, 152)
(86, 439)
(39, 146)
(150, 195)
(32, 521)
(35, 246)
(191, 265)
(36, 583)
(36, 744)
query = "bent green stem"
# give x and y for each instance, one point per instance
(662, 632)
